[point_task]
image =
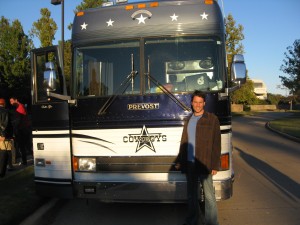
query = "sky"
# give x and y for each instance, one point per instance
(270, 26)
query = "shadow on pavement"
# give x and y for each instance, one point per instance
(286, 185)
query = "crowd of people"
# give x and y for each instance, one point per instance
(15, 134)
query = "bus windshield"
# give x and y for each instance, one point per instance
(150, 65)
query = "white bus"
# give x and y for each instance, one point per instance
(134, 67)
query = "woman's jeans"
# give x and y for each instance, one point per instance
(195, 216)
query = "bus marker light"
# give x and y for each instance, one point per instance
(40, 146)
(141, 6)
(75, 163)
(225, 162)
(40, 162)
(129, 7)
(208, 2)
(80, 14)
(154, 4)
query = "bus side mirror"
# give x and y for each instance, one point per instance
(50, 77)
(238, 69)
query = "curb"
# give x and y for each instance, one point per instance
(281, 133)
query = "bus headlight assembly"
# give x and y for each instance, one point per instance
(84, 164)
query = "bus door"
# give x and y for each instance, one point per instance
(50, 125)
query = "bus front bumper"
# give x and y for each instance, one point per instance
(165, 192)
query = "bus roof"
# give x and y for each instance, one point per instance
(148, 19)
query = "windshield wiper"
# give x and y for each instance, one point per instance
(166, 91)
(121, 89)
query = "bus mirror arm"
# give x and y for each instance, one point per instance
(58, 96)
(225, 94)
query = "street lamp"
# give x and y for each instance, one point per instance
(58, 2)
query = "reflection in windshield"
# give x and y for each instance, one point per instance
(179, 64)
(184, 64)
(100, 70)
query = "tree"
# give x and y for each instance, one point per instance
(15, 49)
(67, 62)
(245, 95)
(291, 66)
(45, 28)
(274, 99)
(86, 4)
(234, 36)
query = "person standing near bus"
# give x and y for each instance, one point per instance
(21, 125)
(199, 159)
(6, 136)
(20, 108)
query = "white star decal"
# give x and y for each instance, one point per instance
(174, 17)
(110, 23)
(141, 19)
(83, 26)
(204, 16)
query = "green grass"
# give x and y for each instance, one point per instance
(289, 125)
(17, 197)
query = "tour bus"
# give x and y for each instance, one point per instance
(113, 133)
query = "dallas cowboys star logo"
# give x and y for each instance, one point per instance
(145, 139)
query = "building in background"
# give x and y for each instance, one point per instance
(260, 89)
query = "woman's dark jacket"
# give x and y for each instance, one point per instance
(207, 144)
(5, 123)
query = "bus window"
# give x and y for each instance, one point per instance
(101, 69)
(183, 64)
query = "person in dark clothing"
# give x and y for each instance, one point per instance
(6, 131)
(199, 158)
(21, 127)
(3, 118)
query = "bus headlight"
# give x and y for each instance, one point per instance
(87, 164)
